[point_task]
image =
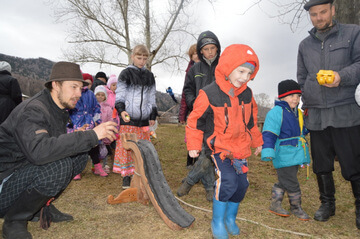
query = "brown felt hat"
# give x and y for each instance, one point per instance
(65, 71)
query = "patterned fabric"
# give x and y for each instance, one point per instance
(86, 111)
(123, 162)
(49, 179)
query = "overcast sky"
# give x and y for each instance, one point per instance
(28, 30)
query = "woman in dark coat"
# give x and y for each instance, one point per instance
(10, 92)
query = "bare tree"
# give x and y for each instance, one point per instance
(263, 100)
(105, 31)
(293, 12)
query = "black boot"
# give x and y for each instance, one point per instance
(327, 197)
(55, 214)
(356, 191)
(17, 217)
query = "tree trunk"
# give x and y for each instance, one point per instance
(348, 11)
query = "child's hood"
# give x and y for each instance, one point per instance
(203, 35)
(232, 57)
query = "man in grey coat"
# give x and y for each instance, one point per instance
(38, 158)
(331, 113)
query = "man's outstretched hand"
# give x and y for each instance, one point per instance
(106, 130)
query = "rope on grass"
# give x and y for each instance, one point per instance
(251, 221)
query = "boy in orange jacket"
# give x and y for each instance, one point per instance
(224, 117)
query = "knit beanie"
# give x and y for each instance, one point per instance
(288, 87)
(206, 41)
(5, 66)
(87, 76)
(100, 88)
(101, 75)
(206, 38)
(250, 65)
(112, 79)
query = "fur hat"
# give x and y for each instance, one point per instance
(312, 3)
(112, 79)
(5, 66)
(65, 71)
(87, 76)
(101, 75)
(288, 87)
(100, 88)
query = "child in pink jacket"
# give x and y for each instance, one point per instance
(106, 115)
(111, 87)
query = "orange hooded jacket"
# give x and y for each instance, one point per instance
(224, 118)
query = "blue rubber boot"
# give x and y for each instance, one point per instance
(218, 223)
(230, 217)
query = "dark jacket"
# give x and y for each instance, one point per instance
(35, 133)
(10, 94)
(97, 82)
(201, 74)
(340, 52)
(136, 94)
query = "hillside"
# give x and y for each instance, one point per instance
(33, 72)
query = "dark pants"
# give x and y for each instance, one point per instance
(95, 155)
(48, 179)
(229, 186)
(288, 180)
(341, 142)
(203, 170)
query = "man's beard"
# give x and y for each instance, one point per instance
(66, 105)
(327, 27)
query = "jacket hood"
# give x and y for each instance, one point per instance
(207, 34)
(232, 57)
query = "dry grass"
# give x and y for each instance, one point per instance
(94, 218)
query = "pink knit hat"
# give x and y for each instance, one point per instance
(112, 79)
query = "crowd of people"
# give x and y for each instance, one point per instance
(47, 140)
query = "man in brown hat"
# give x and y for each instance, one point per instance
(38, 158)
(331, 113)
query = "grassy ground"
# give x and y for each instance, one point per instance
(94, 218)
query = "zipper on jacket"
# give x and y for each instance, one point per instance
(141, 103)
(226, 113)
(245, 124)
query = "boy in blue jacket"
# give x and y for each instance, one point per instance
(285, 145)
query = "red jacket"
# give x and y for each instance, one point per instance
(184, 109)
(224, 118)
